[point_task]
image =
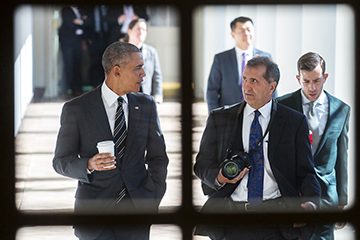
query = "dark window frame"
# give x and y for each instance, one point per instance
(186, 216)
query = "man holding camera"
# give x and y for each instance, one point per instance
(274, 139)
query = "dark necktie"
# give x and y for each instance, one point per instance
(120, 133)
(314, 126)
(255, 182)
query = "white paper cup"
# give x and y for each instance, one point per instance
(106, 147)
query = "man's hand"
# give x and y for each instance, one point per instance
(102, 162)
(308, 207)
(122, 18)
(221, 179)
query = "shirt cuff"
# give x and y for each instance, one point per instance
(313, 205)
(89, 171)
(218, 185)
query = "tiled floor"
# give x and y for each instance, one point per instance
(38, 187)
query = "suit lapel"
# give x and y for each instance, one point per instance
(234, 65)
(98, 112)
(275, 133)
(297, 101)
(134, 117)
(333, 106)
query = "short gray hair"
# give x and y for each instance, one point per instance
(118, 53)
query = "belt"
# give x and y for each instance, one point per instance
(277, 204)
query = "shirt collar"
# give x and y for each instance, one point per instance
(250, 51)
(264, 110)
(321, 99)
(109, 96)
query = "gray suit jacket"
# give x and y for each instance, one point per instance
(331, 156)
(223, 83)
(84, 123)
(153, 80)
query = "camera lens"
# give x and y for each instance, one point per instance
(231, 169)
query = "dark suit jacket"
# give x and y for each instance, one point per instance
(330, 158)
(153, 80)
(288, 152)
(223, 83)
(84, 123)
(68, 28)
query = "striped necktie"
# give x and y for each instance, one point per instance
(120, 131)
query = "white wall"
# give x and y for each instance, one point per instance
(23, 70)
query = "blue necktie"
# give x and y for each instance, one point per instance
(255, 182)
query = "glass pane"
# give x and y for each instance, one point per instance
(342, 231)
(157, 232)
(41, 67)
(286, 32)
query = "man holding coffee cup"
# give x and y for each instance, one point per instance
(132, 180)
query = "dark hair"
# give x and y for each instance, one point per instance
(272, 73)
(309, 61)
(131, 26)
(241, 20)
(118, 53)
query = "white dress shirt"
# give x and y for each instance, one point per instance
(321, 109)
(270, 187)
(239, 57)
(78, 16)
(110, 103)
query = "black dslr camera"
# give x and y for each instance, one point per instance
(231, 168)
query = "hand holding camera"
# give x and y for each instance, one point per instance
(234, 169)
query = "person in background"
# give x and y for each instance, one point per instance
(136, 35)
(72, 41)
(225, 79)
(98, 34)
(119, 19)
(328, 119)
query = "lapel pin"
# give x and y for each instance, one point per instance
(136, 108)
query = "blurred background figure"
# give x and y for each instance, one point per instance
(98, 41)
(152, 84)
(72, 41)
(120, 18)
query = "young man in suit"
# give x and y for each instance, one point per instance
(281, 176)
(132, 180)
(225, 79)
(328, 133)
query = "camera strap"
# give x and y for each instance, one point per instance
(233, 135)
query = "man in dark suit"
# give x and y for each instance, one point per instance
(225, 79)
(137, 180)
(71, 37)
(329, 136)
(281, 166)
